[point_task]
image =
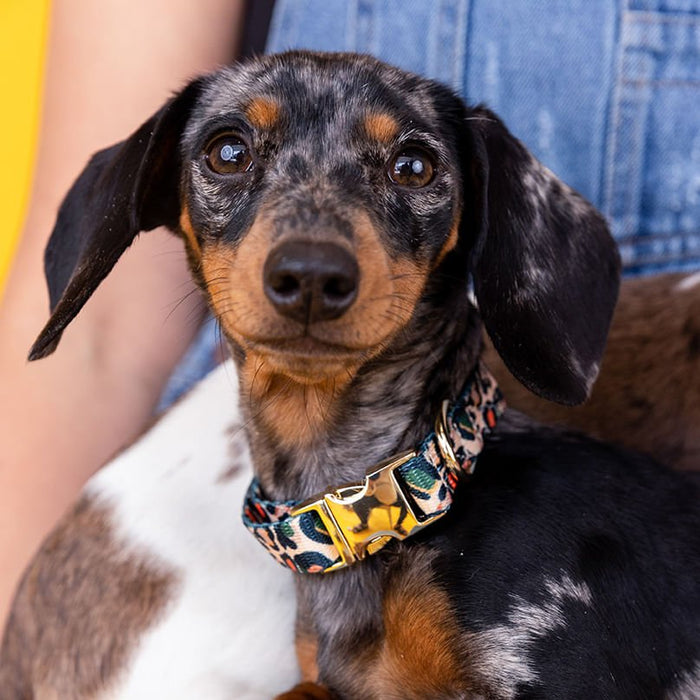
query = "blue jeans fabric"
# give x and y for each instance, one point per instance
(200, 359)
(606, 93)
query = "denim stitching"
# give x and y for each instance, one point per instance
(614, 120)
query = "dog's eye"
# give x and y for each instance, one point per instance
(412, 167)
(229, 154)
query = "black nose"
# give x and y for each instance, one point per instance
(310, 281)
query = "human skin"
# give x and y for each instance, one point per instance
(110, 65)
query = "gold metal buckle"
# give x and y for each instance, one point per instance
(443, 440)
(361, 518)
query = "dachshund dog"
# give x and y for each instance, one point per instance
(336, 212)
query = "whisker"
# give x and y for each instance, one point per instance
(182, 300)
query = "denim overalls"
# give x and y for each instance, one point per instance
(606, 93)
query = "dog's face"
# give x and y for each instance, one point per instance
(318, 193)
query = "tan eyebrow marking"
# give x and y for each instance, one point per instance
(381, 126)
(263, 113)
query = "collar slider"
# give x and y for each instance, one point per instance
(444, 444)
(361, 518)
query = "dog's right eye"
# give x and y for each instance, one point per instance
(228, 155)
(412, 167)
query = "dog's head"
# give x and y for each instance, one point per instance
(316, 195)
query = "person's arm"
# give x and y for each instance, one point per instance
(110, 65)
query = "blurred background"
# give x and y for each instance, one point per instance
(23, 30)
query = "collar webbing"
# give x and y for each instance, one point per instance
(396, 499)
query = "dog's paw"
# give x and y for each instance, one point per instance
(306, 691)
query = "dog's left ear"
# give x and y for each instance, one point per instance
(546, 270)
(130, 187)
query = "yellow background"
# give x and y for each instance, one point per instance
(23, 29)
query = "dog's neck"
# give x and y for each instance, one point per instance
(389, 406)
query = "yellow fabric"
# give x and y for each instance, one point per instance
(23, 31)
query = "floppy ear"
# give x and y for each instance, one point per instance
(130, 187)
(546, 270)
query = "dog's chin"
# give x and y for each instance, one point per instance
(307, 374)
(309, 361)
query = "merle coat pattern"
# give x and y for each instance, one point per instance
(566, 568)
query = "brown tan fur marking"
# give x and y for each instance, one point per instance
(295, 411)
(306, 691)
(81, 568)
(263, 113)
(420, 656)
(451, 242)
(381, 127)
(188, 232)
(307, 652)
(216, 264)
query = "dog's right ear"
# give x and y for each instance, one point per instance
(130, 187)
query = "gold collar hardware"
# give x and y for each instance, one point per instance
(443, 441)
(361, 518)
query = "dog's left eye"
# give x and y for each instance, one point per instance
(412, 167)
(228, 154)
